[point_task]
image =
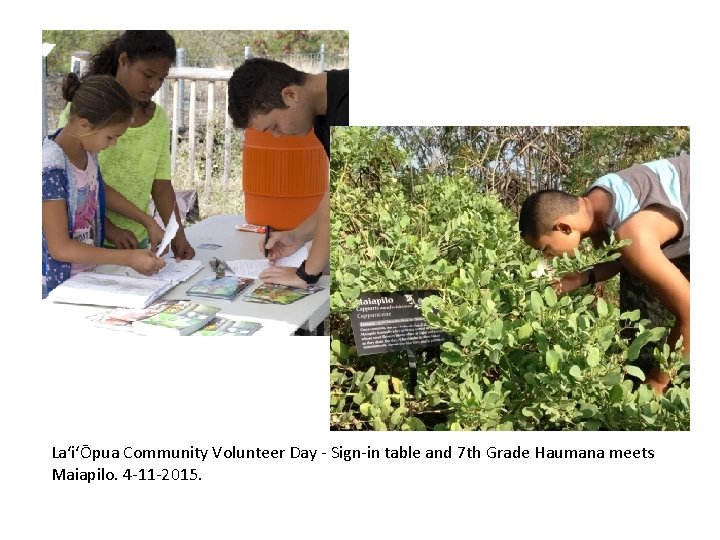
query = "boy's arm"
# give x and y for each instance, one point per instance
(117, 202)
(320, 250)
(285, 243)
(574, 280)
(645, 259)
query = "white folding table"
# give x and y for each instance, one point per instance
(305, 315)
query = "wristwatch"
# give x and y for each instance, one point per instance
(591, 278)
(307, 278)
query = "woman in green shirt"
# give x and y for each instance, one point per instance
(139, 166)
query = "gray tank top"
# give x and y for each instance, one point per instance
(665, 182)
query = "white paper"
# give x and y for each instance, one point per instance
(170, 230)
(253, 267)
(173, 271)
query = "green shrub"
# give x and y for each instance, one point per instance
(520, 357)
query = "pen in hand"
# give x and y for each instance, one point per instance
(268, 230)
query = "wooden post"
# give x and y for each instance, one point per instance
(175, 124)
(209, 135)
(191, 134)
(227, 141)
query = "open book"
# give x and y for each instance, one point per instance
(109, 290)
(121, 286)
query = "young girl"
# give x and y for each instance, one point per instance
(139, 166)
(73, 208)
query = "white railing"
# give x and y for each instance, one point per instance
(212, 78)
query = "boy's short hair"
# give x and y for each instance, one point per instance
(542, 209)
(256, 88)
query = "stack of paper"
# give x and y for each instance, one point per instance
(253, 267)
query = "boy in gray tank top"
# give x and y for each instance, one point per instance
(648, 204)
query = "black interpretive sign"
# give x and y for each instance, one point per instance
(392, 322)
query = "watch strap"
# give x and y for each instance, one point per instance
(307, 278)
(591, 277)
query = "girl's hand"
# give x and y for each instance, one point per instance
(145, 262)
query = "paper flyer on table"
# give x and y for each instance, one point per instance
(170, 230)
(253, 267)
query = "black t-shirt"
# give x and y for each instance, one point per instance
(338, 106)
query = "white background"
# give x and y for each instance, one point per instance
(615, 63)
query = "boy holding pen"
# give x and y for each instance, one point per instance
(271, 96)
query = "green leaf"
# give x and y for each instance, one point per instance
(468, 337)
(369, 374)
(339, 349)
(635, 372)
(536, 302)
(414, 424)
(657, 333)
(485, 277)
(588, 410)
(631, 315)
(602, 307)
(645, 394)
(476, 390)
(572, 318)
(525, 331)
(612, 378)
(495, 329)
(552, 359)
(616, 394)
(550, 296)
(593, 357)
(575, 372)
(451, 357)
(365, 409)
